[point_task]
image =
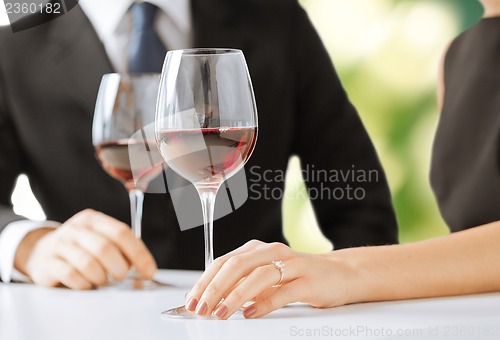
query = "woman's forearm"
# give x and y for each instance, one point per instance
(461, 263)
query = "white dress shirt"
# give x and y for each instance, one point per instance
(112, 21)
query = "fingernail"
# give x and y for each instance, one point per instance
(247, 313)
(201, 310)
(191, 304)
(220, 311)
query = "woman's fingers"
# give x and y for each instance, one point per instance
(257, 282)
(233, 270)
(193, 296)
(291, 292)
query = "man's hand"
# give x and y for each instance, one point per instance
(82, 252)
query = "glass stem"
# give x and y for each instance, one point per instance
(136, 203)
(207, 197)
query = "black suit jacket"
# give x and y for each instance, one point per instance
(49, 77)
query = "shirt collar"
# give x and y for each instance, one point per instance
(106, 15)
(179, 11)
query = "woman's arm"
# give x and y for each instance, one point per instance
(460, 263)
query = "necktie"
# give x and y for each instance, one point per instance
(146, 52)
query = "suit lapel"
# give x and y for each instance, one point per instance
(76, 57)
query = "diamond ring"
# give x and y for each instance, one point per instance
(280, 265)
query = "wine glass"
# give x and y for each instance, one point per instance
(123, 137)
(206, 125)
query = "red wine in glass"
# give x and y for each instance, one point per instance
(115, 158)
(207, 155)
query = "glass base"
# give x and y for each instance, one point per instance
(134, 281)
(182, 313)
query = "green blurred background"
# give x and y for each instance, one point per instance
(387, 54)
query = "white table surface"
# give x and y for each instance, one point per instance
(34, 313)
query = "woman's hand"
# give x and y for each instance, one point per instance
(248, 274)
(465, 262)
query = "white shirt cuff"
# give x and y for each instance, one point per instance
(10, 238)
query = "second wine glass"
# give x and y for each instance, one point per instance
(123, 136)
